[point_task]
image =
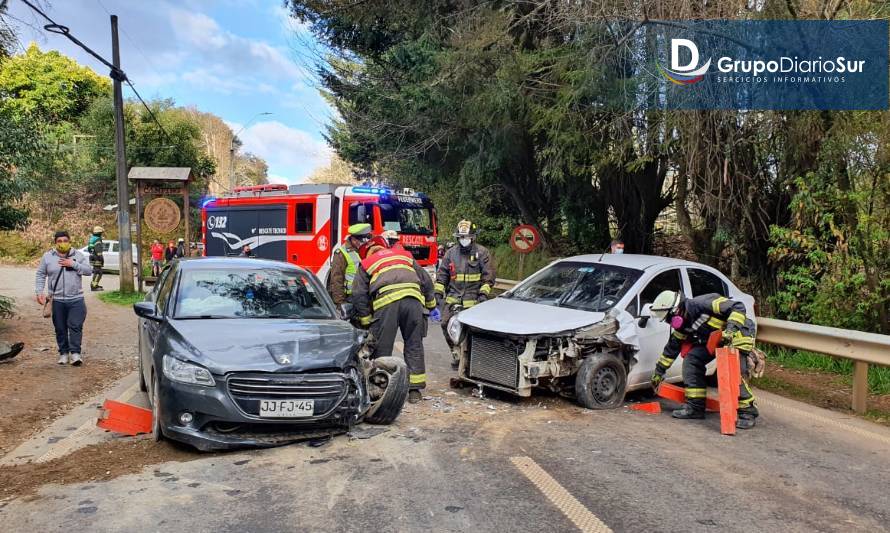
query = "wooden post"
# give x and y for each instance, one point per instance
(521, 266)
(139, 233)
(120, 153)
(185, 210)
(860, 386)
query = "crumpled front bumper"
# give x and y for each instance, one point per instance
(219, 423)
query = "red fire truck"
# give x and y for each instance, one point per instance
(302, 224)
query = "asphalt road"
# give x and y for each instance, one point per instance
(460, 463)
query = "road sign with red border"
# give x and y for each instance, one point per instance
(524, 239)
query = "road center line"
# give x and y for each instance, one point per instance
(574, 510)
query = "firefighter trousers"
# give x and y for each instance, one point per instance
(405, 315)
(696, 384)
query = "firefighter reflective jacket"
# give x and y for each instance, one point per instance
(344, 265)
(702, 316)
(465, 274)
(385, 277)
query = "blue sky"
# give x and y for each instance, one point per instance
(233, 58)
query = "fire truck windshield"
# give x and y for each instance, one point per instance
(408, 219)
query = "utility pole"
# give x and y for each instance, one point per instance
(120, 151)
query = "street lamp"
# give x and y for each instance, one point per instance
(232, 149)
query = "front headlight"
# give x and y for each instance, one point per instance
(182, 372)
(454, 329)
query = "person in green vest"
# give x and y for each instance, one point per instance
(95, 248)
(344, 264)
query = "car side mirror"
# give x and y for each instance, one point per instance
(146, 310)
(645, 315)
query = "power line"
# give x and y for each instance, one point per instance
(116, 73)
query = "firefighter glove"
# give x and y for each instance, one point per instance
(435, 315)
(657, 377)
(481, 298)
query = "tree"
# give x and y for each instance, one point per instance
(20, 154)
(48, 86)
(337, 171)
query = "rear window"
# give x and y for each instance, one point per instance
(704, 282)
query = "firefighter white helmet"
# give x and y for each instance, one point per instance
(667, 302)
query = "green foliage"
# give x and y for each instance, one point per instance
(20, 155)
(7, 307)
(507, 262)
(126, 299)
(48, 86)
(14, 247)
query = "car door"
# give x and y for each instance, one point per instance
(111, 256)
(150, 329)
(653, 335)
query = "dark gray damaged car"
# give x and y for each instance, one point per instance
(246, 352)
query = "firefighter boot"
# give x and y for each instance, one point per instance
(745, 421)
(688, 412)
(414, 396)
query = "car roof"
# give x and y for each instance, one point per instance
(202, 263)
(636, 261)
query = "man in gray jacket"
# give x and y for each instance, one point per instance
(59, 274)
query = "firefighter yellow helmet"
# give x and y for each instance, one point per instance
(98, 229)
(667, 302)
(465, 228)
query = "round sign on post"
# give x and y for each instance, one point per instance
(162, 215)
(525, 239)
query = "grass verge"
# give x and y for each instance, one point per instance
(121, 298)
(878, 377)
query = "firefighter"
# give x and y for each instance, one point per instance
(693, 320)
(344, 265)
(465, 275)
(391, 292)
(95, 249)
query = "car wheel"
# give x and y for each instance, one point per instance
(157, 433)
(389, 377)
(142, 385)
(601, 382)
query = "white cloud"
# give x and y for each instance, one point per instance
(285, 148)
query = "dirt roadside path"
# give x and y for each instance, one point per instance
(34, 389)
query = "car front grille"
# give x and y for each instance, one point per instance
(326, 389)
(495, 360)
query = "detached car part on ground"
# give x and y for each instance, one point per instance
(579, 327)
(245, 352)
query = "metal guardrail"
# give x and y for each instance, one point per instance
(861, 347)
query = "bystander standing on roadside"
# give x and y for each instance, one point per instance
(180, 248)
(157, 258)
(171, 252)
(616, 247)
(59, 281)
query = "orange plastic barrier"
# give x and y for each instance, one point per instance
(678, 395)
(728, 381)
(648, 407)
(125, 418)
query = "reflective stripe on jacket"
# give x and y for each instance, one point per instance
(465, 274)
(386, 277)
(352, 262)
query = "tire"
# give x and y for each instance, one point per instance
(143, 387)
(387, 408)
(157, 433)
(601, 382)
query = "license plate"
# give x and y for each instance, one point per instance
(286, 408)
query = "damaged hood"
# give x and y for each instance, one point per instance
(516, 317)
(263, 345)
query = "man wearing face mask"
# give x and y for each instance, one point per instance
(692, 321)
(616, 247)
(60, 271)
(465, 275)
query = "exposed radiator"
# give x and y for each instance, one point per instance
(494, 360)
